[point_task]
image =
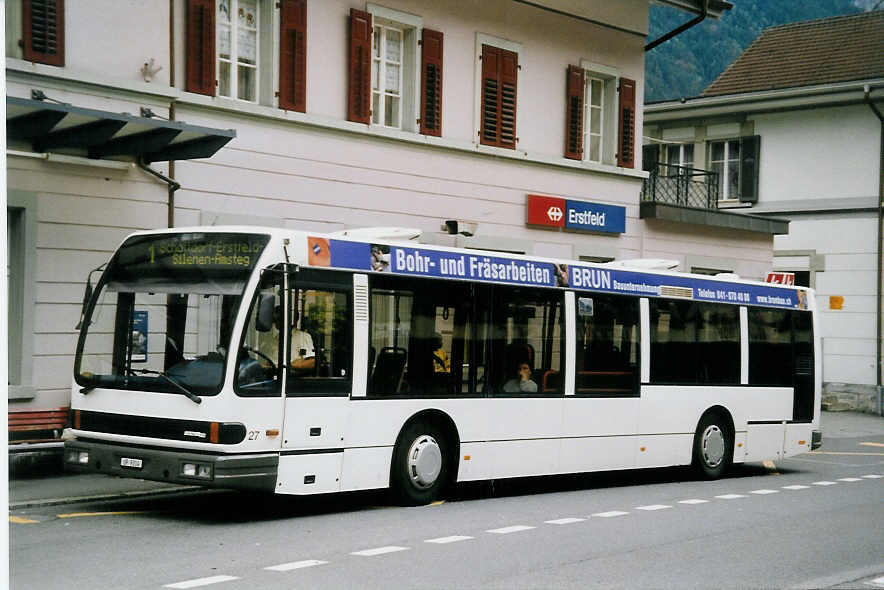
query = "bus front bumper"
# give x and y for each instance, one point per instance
(256, 472)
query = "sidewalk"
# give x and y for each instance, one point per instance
(47, 485)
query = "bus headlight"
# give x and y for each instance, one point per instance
(200, 470)
(77, 456)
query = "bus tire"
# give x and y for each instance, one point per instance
(420, 467)
(713, 446)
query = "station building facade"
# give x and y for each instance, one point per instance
(500, 125)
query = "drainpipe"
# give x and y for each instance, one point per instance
(173, 186)
(878, 326)
(678, 31)
(171, 222)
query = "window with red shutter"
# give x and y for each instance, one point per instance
(431, 83)
(626, 140)
(498, 88)
(574, 87)
(293, 55)
(359, 92)
(43, 31)
(200, 74)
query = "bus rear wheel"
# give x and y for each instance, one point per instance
(420, 466)
(713, 447)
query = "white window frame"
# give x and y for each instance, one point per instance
(723, 184)
(681, 158)
(379, 62)
(233, 62)
(507, 45)
(411, 27)
(610, 78)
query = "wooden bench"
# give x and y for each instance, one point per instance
(37, 426)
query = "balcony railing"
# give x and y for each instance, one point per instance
(682, 186)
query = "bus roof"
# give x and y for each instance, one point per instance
(408, 257)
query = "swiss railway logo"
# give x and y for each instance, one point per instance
(573, 215)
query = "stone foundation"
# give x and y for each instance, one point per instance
(838, 397)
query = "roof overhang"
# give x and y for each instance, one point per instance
(786, 99)
(715, 9)
(64, 128)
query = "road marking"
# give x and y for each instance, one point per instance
(763, 492)
(873, 476)
(379, 551)
(510, 529)
(565, 520)
(22, 520)
(730, 496)
(653, 507)
(451, 539)
(879, 582)
(795, 487)
(610, 514)
(295, 565)
(825, 483)
(846, 453)
(693, 501)
(82, 514)
(201, 582)
(871, 444)
(849, 479)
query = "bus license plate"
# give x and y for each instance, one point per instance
(132, 463)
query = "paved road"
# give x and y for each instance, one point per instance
(813, 521)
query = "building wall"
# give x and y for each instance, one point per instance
(318, 171)
(848, 244)
(812, 160)
(818, 154)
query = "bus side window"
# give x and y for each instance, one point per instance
(526, 341)
(421, 333)
(607, 345)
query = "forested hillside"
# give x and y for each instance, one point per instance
(685, 65)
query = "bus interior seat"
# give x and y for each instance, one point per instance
(389, 369)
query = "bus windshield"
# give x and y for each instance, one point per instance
(162, 316)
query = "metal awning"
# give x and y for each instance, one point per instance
(64, 128)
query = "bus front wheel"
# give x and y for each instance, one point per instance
(713, 446)
(420, 464)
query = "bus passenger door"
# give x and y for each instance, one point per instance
(318, 380)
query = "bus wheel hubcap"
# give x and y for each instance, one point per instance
(424, 461)
(713, 446)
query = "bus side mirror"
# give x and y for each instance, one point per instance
(266, 304)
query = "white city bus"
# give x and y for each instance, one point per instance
(300, 363)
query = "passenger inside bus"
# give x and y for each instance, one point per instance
(522, 383)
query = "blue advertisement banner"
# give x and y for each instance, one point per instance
(584, 216)
(417, 261)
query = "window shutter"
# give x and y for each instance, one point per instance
(749, 151)
(499, 82)
(43, 31)
(359, 94)
(201, 47)
(650, 157)
(575, 95)
(626, 141)
(293, 55)
(431, 83)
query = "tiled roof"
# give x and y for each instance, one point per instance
(838, 49)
